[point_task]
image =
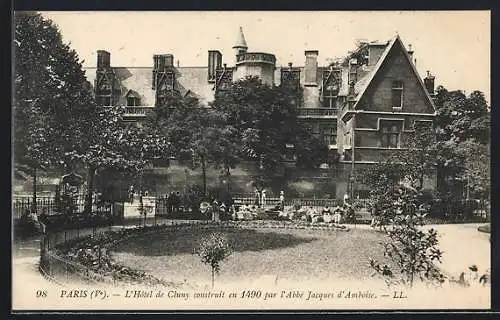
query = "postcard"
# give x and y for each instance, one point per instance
(329, 160)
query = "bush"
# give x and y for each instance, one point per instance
(193, 197)
(410, 249)
(213, 249)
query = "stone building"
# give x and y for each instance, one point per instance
(360, 107)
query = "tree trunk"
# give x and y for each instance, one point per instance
(90, 190)
(33, 204)
(204, 174)
(228, 183)
(213, 276)
(141, 203)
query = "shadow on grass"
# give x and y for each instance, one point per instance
(186, 241)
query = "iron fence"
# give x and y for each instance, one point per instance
(50, 205)
(62, 270)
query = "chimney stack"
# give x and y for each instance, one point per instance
(311, 67)
(429, 83)
(214, 63)
(353, 70)
(410, 52)
(160, 63)
(103, 59)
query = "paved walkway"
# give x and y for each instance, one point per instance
(463, 245)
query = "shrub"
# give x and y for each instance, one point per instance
(212, 250)
(412, 250)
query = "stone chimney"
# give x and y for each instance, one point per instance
(311, 68)
(429, 83)
(410, 52)
(103, 59)
(214, 63)
(160, 63)
(353, 70)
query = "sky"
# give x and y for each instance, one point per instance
(453, 45)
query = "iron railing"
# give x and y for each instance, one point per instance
(317, 112)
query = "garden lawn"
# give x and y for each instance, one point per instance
(294, 255)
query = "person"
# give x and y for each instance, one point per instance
(350, 213)
(232, 211)
(215, 210)
(263, 198)
(177, 202)
(282, 200)
(222, 210)
(337, 215)
(327, 214)
(310, 214)
(257, 198)
(471, 275)
(346, 198)
(131, 193)
(215, 204)
(170, 205)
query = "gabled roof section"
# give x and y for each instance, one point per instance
(365, 84)
(133, 94)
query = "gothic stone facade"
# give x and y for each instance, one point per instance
(360, 108)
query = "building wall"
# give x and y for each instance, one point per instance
(311, 97)
(378, 96)
(264, 71)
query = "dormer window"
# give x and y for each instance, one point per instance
(132, 102)
(331, 87)
(397, 95)
(133, 99)
(290, 81)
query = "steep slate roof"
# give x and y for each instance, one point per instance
(193, 80)
(189, 80)
(363, 84)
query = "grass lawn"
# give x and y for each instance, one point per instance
(288, 254)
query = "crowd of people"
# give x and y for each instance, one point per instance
(216, 209)
(337, 214)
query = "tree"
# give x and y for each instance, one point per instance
(460, 117)
(311, 152)
(196, 133)
(213, 249)
(463, 124)
(265, 121)
(49, 87)
(33, 147)
(216, 144)
(476, 168)
(412, 250)
(141, 147)
(263, 117)
(111, 144)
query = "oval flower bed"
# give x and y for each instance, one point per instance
(92, 252)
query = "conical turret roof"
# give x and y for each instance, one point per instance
(240, 40)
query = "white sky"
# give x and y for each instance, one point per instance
(453, 45)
